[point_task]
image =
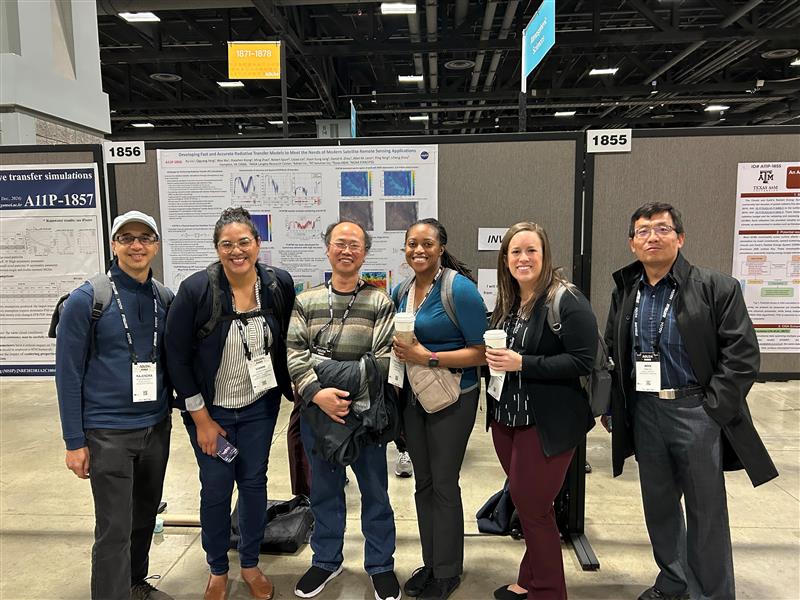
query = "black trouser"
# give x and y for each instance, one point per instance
(437, 443)
(126, 470)
(679, 450)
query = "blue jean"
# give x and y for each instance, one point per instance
(330, 511)
(250, 429)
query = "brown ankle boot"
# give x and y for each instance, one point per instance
(260, 586)
(216, 588)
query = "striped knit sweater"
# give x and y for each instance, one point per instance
(369, 327)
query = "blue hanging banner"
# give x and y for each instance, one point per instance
(537, 38)
(352, 119)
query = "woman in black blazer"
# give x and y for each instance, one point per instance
(538, 413)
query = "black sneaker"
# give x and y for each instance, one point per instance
(418, 580)
(145, 591)
(386, 586)
(313, 582)
(503, 593)
(440, 588)
(654, 593)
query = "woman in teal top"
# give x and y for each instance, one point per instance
(437, 441)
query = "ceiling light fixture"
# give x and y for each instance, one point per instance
(459, 64)
(716, 108)
(278, 123)
(779, 53)
(139, 17)
(418, 118)
(410, 78)
(795, 63)
(608, 71)
(398, 8)
(230, 84)
(142, 125)
(564, 113)
(166, 77)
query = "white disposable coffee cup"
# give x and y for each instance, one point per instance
(404, 327)
(495, 338)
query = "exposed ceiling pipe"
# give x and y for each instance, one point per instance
(114, 7)
(486, 30)
(431, 24)
(414, 36)
(505, 28)
(462, 6)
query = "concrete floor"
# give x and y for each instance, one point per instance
(46, 517)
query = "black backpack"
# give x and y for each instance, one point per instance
(213, 271)
(101, 299)
(596, 384)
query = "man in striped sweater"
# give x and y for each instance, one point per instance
(343, 320)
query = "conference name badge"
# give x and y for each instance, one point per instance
(397, 370)
(648, 372)
(495, 387)
(143, 376)
(262, 375)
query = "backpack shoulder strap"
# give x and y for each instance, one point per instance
(164, 294)
(554, 311)
(213, 272)
(101, 294)
(448, 303)
(403, 288)
(275, 290)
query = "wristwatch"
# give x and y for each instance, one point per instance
(433, 361)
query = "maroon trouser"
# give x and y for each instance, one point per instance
(534, 481)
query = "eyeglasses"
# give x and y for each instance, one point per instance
(126, 239)
(227, 246)
(659, 230)
(352, 246)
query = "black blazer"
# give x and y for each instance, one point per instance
(551, 367)
(193, 363)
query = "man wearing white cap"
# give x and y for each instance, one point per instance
(114, 404)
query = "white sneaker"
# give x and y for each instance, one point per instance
(404, 468)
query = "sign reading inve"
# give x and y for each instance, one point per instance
(254, 60)
(538, 37)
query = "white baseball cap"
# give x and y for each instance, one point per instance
(134, 216)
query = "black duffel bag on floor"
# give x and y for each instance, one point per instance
(289, 525)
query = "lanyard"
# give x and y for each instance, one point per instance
(241, 327)
(128, 335)
(334, 339)
(411, 294)
(637, 346)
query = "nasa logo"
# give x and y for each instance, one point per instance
(424, 155)
(793, 176)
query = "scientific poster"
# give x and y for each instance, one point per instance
(51, 241)
(293, 194)
(766, 256)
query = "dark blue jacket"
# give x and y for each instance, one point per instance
(193, 362)
(96, 392)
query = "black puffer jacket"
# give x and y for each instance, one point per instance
(376, 424)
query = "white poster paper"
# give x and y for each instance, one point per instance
(293, 194)
(766, 257)
(487, 286)
(51, 241)
(490, 238)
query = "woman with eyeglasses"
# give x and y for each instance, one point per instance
(538, 412)
(226, 353)
(437, 441)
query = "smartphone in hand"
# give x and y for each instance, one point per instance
(225, 450)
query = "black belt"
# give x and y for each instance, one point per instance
(678, 393)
